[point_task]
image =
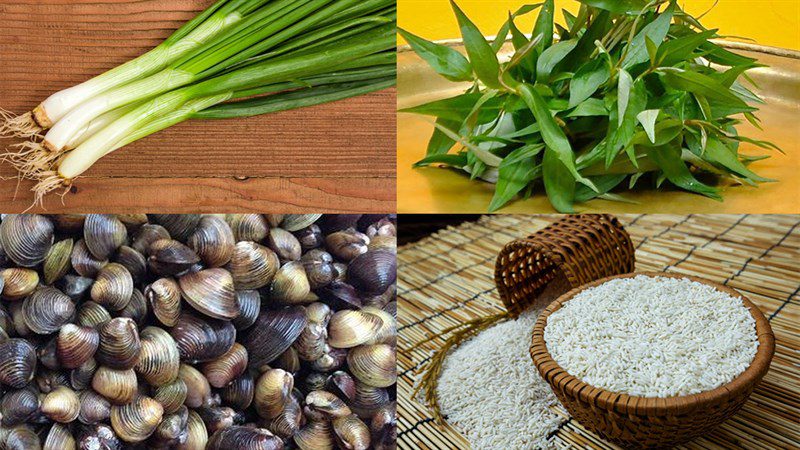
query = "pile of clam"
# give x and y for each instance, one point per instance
(239, 331)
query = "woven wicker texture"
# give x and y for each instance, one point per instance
(449, 278)
(638, 422)
(564, 255)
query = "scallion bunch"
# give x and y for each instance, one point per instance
(238, 58)
(627, 91)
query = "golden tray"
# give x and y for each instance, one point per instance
(439, 190)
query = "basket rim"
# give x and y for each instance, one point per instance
(556, 376)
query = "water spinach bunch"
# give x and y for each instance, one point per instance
(629, 88)
(238, 58)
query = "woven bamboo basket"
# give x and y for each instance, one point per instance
(576, 250)
(642, 422)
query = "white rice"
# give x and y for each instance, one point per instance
(490, 390)
(653, 336)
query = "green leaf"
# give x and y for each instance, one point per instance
(697, 83)
(559, 183)
(483, 58)
(719, 55)
(604, 183)
(458, 108)
(664, 132)
(450, 160)
(552, 134)
(668, 158)
(544, 25)
(509, 25)
(648, 120)
(444, 60)
(617, 6)
(551, 57)
(656, 31)
(680, 49)
(719, 153)
(516, 171)
(440, 143)
(624, 84)
(621, 136)
(652, 51)
(589, 107)
(587, 80)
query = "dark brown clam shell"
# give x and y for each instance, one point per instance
(248, 227)
(94, 407)
(211, 293)
(86, 264)
(213, 241)
(120, 346)
(168, 257)
(340, 295)
(284, 244)
(180, 226)
(164, 296)
(249, 308)
(244, 438)
(273, 332)
(19, 406)
(373, 272)
(148, 234)
(133, 261)
(221, 371)
(75, 345)
(74, 286)
(113, 287)
(217, 418)
(46, 310)
(26, 238)
(252, 265)
(103, 235)
(136, 309)
(238, 394)
(201, 339)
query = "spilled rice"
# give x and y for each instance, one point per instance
(653, 336)
(491, 392)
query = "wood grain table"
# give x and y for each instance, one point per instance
(335, 158)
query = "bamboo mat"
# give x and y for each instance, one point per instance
(448, 278)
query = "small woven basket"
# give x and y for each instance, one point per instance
(642, 422)
(576, 250)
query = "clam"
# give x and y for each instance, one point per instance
(373, 272)
(133, 261)
(313, 381)
(347, 244)
(219, 417)
(137, 420)
(46, 352)
(211, 293)
(384, 428)
(288, 422)
(164, 296)
(310, 344)
(180, 226)
(239, 393)
(98, 436)
(383, 243)
(21, 437)
(26, 238)
(381, 300)
(76, 345)
(249, 306)
(332, 359)
(159, 359)
(315, 435)
(118, 386)
(319, 268)
(91, 314)
(61, 405)
(59, 438)
(337, 222)
(351, 433)
(172, 427)
(248, 227)
(19, 406)
(341, 295)
(387, 333)
(310, 237)
(171, 395)
(244, 438)
(274, 220)
(350, 328)
(169, 257)
(290, 285)
(18, 319)
(132, 222)
(383, 227)
(120, 346)
(103, 235)
(86, 264)
(47, 380)
(273, 333)
(147, 234)
(198, 391)
(221, 371)
(94, 407)
(46, 310)
(75, 286)
(18, 283)
(294, 222)
(272, 392)
(113, 287)
(213, 241)
(81, 378)
(136, 309)
(288, 361)
(200, 339)
(57, 262)
(341, 271)
(342, 385)
(196, 434)
(327, 404)
(68, 223)
(285, 244)
(374, 365)
(252, 266)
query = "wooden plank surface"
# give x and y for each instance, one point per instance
(334, 157)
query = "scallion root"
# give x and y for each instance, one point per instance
(48, 182)
(31, 159)
(22, 126)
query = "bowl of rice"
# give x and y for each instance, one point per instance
(652, 360)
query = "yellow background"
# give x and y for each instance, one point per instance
(769, 22)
